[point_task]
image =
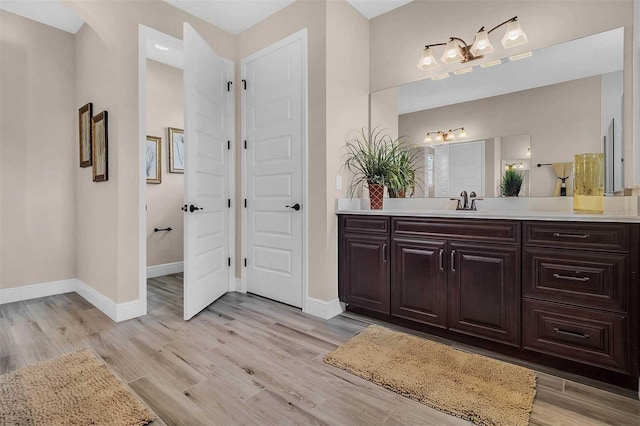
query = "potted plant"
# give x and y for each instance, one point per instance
(370, 158)
(402, 180)
(511, 182)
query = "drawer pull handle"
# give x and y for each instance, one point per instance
(583, 236)
(571, 333)
(570, 278)
(440, 260)
(453, 260)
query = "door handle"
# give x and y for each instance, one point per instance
(453, 260)
(384, 253)
(295, 207)
(440, 260)
(193, 208)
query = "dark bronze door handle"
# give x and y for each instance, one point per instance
(295, 207)
(193, 208)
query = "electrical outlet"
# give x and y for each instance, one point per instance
(338, 182)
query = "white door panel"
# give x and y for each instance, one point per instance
(275, 132)
(207, 132)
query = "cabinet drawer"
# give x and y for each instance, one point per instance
(578, 334)
(460, 229)
(579, 235)
(368, 224)
(597, 280)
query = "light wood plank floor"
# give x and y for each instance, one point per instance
(248, 360)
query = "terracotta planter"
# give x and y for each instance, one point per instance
(376, 196)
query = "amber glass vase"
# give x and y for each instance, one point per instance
(588, 183)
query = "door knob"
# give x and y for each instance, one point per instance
(193, 208)
(295, 207)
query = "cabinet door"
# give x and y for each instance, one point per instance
(419, 281)
(484, 291)
(364, 271)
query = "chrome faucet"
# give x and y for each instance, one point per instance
(463, 203)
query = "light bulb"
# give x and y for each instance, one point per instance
(452, 53)
(439, 137)
(481, 45)
(427, 60)
(463, 133)
(427, 138)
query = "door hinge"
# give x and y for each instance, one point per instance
(245, 144)
(229, 202)
(244, 83)
(245, 203)
(229, 145)
(229, 83)
(245, 262)
(229, 261)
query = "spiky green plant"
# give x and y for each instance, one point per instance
(511, 183)
(369, 157)
(403, 179)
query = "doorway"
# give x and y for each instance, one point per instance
(275, 179)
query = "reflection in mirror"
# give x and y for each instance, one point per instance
(563, 100)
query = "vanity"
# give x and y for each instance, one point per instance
(556, 289)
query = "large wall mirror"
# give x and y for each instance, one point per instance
(540, 110)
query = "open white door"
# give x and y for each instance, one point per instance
(208, 130)
(275, 117)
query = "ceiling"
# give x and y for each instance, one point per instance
(233, 16)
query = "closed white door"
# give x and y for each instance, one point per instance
(208, 128)
(275, 115)
(466, 168)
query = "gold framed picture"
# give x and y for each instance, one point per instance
(176, 150)
(153, 159)
(84, 129)
(99, 146)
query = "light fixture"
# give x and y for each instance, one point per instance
(161, 47)
(441, 136)
(457, 50)
(529, 152)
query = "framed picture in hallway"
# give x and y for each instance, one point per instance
(152, 159)
(99, 145)
(84, 127)
(176, 150)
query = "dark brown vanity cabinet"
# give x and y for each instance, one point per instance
(364, 264)
(561, 291)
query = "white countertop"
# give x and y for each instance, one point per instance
(512, 215)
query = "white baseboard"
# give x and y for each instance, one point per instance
(164, 269)
(33, 291)
(116, 311)
(323, 309)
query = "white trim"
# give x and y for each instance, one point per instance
(164, 269)
(300, 35)
(322, 309)
(116, 311)
(34, 291)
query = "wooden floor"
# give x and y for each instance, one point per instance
(248, 360)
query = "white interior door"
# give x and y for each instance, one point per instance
(208, 128)
(274, 111)
(466, 168)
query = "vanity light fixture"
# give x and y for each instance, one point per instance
(457, 50)
(441, 136)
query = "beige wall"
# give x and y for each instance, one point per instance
(165, 108)
(384, 111)
(38, 153)
(108, 248)
(398, 37)
(562, 119)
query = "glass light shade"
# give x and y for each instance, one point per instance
(514, 36)
(452, 53)
(449, 136)
(439, 137)
(481, 45)
(463, 133)
(427, 138)
(427, 60)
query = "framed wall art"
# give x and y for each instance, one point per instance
(176, 150)
(99, 147)
(153, 159)
(84, 126)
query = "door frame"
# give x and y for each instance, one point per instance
(144, 34)
(300, 35)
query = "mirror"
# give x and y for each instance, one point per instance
(541, 110)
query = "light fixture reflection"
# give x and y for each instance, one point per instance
(441, 136)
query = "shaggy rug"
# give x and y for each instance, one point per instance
(472, 387)
(74, 389)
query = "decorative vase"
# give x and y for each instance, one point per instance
(588, 183)
(376, 196)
